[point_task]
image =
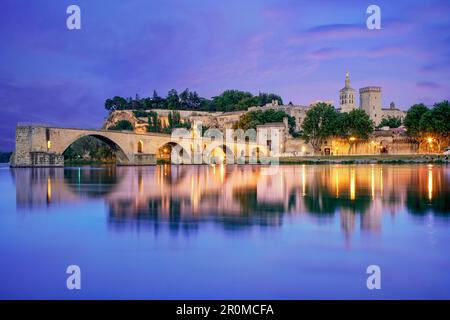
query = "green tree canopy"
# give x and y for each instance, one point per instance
(412, 119)
(319, 124)
(355, 123)
(436, 123)
(391, 122)
(252, 119)
(122, 125)
(229, 100)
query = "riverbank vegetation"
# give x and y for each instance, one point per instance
(430, 126)
(5, 156)
(89, 150)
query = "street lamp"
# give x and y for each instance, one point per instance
(430, 144)
(352, 139)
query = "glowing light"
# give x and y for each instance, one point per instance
(49, 144)
(303, 148)
(430, 140)
(140, 146)
(352, 139)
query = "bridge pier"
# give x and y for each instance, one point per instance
(36, 159)
(31, 149)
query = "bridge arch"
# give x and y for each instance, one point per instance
(171, 150)
(220, 153)
(119, 151)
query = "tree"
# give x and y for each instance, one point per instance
(252, 119)
(173, 100)
(89, 148)
(412, 119)
(435, 124)
(319, 124)
(116, 103)
(355, 123)
(391, 122)
(229, 100)
(264, 98)
(154, 124)
(120, 125)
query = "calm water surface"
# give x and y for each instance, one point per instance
(226, 232)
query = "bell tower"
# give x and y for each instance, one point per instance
(347, 96)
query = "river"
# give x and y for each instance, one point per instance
(226, 232)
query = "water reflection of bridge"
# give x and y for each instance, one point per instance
(243, 195)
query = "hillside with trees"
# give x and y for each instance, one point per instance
(229, 100)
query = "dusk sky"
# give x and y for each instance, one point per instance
(298, 49)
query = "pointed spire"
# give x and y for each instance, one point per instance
(347, 80)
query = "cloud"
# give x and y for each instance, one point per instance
(428, 85)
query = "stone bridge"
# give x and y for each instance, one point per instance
(42, 146)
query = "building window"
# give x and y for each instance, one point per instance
(140, 146)
(49, 144)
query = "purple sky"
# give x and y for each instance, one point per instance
(298, 49)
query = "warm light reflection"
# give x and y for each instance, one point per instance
(140, 184)
(430, 183)
(303, 180)
(381, 182)
(352, 184)
(372, 181)
(336, 178)
(183, 192)
(49, 189)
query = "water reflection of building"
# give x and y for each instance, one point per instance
(359, 195)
